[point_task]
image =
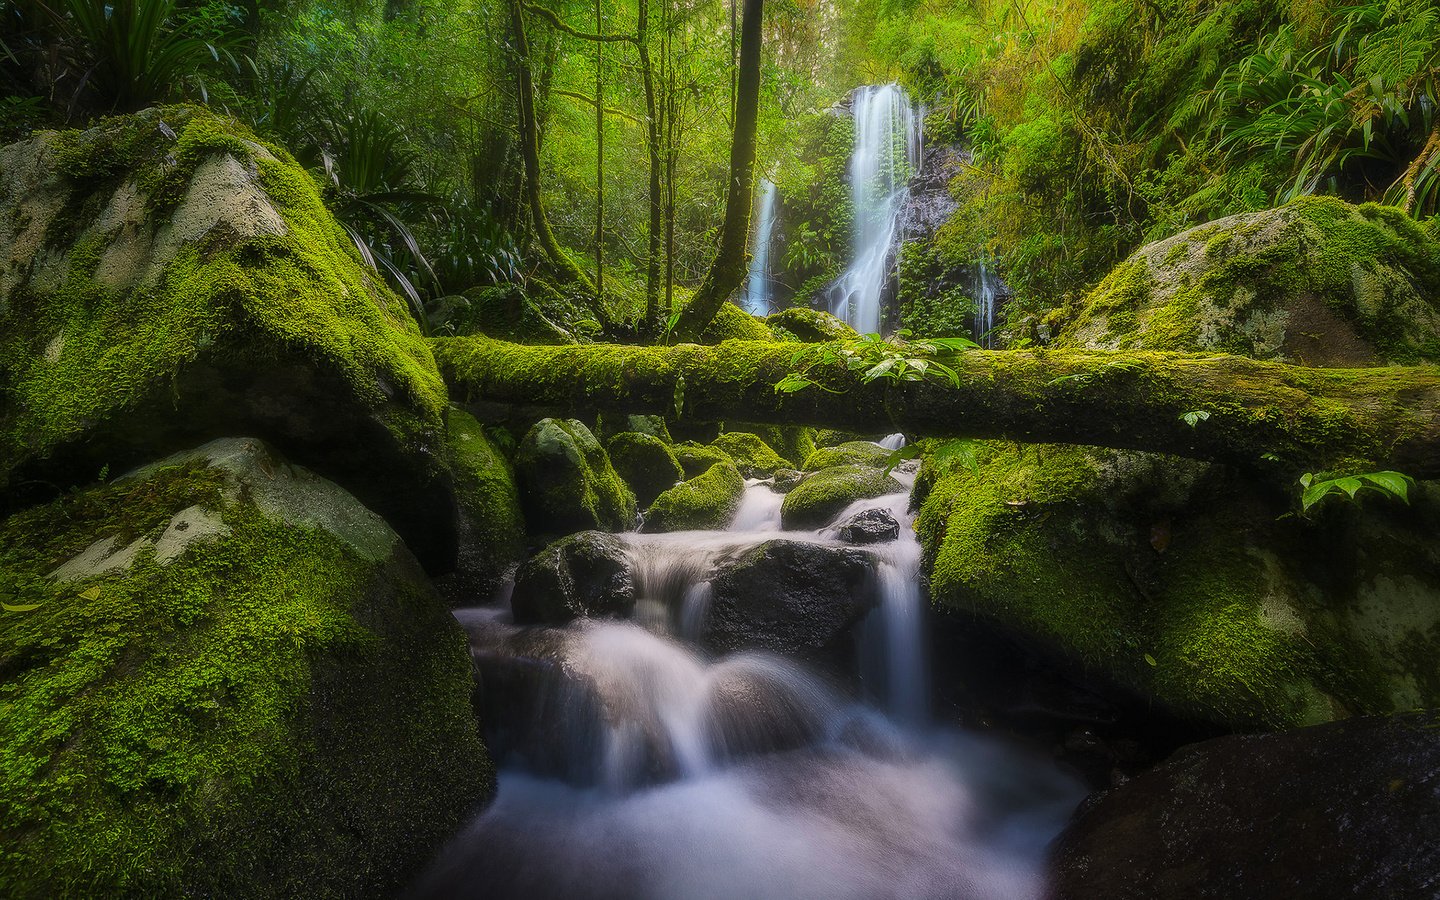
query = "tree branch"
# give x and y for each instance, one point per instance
(556, 22)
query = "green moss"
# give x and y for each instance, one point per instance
(821, 497)
(567, 482)
(811, 326)
(752, 456)
(794, 443)
(707, 501)
(82, 355)
(732, 323)
(645, 462)
(607, 425)
(493, 529)
(695, 458)
(269, 714)
(850, 453)
(1176, 579)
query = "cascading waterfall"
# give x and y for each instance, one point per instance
(757, 283)
(682, 776)
(986, 290)
(887, 153)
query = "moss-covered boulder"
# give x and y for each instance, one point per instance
(1191, 584)
(794, 443)
(816, 501)
(567, 483)
(607, 425)
(166, 277)
(732, 323)
(810, 326)
(1318, 282)
(646, 463)
(696, 459)
(850, 453)
(491, 526)
(707, 501)
(753, 457)
(224, 676)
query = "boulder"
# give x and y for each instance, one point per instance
(567, 483)
(731, 323)
(811, 326)
(1192, 585)
(491, 527)
(1317, 282)
(793, 598)
(785, 480)
(586, 575)
(167, 277)
(822, 496)
(696, 459)
(646, 463)
(707, 501)
(607, 425)
(794, 443)
(224, 676)
(850, 453)
(1349, 809)
(753, 457)
(872, 526)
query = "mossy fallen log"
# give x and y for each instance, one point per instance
(1251, 410)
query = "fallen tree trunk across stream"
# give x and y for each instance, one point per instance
(1381, 418)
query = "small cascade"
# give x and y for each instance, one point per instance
(757, 283)
(635, 765)
(986, 291)
(888, 144)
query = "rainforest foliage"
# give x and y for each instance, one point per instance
(1089, 128)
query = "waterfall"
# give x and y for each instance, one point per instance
(634, 765)
(757, 284)
(886, 155)
(985, 293)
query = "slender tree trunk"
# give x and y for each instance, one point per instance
(671, 116)
(727, 271)
(530, 150)
(1311, 419)
(652, 145)
(599, 161)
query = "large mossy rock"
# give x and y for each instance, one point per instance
(1191, 584)
(753, 457)
(1349, 809)
(793, 598)
(586, 575)
(166, 278)
(567, 483)
(794, 443)
(811, 326)
(816, 501)
(224, 676)
(1318, 282)
(850, 453)
(646, 463)
(696, 459)
(706, 502)
(731, 323)
(491, 526)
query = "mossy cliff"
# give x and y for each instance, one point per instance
(223, 676)
(167, 276)
(1317, 282)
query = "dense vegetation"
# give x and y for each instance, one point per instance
(1095, 127)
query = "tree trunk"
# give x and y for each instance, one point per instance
(530, 150)
(599, 161)
(1307, 418)
(727, 271)
(652, 144)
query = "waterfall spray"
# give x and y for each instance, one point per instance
(757, 285)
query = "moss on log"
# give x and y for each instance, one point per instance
(1316, 418)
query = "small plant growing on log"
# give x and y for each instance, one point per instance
(897, 358)
(1391, 484)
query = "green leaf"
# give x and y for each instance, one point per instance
(1194, 417)
(1393, 483)
(792, 383)
(19, 607)
(1151, 660)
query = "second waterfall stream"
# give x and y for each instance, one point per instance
(636, 765)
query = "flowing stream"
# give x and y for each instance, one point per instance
(644, 768)
(887, 153)
(757, 282)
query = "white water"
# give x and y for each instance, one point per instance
(986, 289)
(757, 283)
(748, 776)
(887, 153)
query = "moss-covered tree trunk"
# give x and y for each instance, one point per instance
(529, 131)
(727, 270)
(1254, 410)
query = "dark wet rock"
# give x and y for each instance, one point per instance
(585, 575)
(491, 526)
(793, 598)
(873, 526)
(646, 463)
(786, 480)
(1348, 809)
